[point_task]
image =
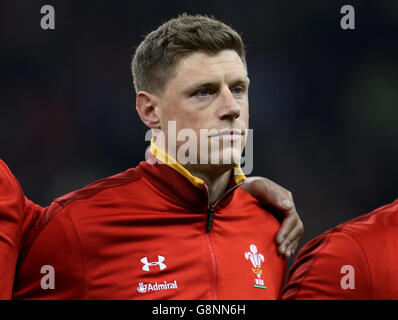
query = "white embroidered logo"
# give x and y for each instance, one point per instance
(142, 287)
(155, 263)
(147, 287)
(256, 258)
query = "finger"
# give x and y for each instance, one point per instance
(269, 193)
(282, 249)
(287, 227)
(279, 197)
(293, 236)
(288, 247)
(282, 198)
(292, 248)
(285, 204)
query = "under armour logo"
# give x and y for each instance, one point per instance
(155, 263)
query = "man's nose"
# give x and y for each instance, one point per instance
(229, 107)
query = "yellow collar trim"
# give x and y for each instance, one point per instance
(196, 181)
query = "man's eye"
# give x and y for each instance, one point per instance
(203, 92)
(238, 90)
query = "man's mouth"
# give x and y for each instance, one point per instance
(228, 133)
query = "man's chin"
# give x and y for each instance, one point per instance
(228, 156)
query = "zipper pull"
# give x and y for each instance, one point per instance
(210, 217)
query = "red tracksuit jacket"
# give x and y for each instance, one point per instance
(17, 215)
(141, 234)
(355, 260)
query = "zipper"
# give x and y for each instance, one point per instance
(209, 225)
(210, 218)
(210, 212)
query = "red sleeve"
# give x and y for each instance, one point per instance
(17, 214)
(331, 266)
(52, 242)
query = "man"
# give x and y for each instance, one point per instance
(355, 260)
(17, 215)
(164, 230)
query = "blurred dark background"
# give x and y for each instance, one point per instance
(324, 101)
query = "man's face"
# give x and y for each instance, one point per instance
(208, 92)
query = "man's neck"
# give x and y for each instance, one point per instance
(217, 183)
(216, 178)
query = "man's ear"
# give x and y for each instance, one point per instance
(147, 108)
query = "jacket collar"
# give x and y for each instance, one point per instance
(179, 185)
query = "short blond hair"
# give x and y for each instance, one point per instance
(155, 59)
